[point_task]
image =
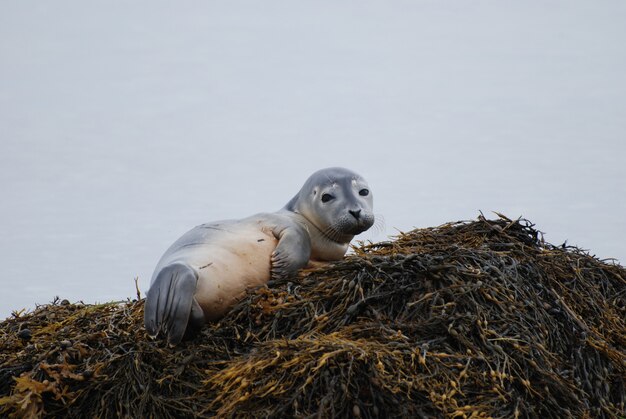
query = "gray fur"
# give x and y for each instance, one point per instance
(316, 225)
(169, 301)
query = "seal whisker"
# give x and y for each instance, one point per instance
(379, 224)
(331, 233)
(335, 229)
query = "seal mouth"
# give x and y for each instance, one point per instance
(331, 233)
(341, 237)
(343, 232)
(359, 228)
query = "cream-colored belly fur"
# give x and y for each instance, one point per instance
(232, 262)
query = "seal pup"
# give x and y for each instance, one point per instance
(210, 268)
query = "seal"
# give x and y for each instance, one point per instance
(211, 267)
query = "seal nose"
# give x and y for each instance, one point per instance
(356, 214)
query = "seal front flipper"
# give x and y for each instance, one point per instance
(292, 252)
(169, 302)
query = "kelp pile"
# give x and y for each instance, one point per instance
(469, 319)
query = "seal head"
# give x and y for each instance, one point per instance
(336, 204)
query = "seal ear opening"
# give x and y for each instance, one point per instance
(169, 302)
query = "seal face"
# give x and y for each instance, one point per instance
(337, 204)
(205, 272)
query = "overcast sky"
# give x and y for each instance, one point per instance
(124, 124)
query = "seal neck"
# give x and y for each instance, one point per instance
(323, 246)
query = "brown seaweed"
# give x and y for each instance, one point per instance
(469, 319)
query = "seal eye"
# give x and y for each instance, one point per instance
(327, 197)
(364, 192)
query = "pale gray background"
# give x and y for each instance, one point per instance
(125, 123)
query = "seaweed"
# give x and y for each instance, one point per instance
(469, 319)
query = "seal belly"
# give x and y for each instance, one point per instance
(232, 261)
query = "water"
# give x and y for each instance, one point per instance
(123, 124)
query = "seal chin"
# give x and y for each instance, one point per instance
(356, 227)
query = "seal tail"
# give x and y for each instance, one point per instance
(169, 302)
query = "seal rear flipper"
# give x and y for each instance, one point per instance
(169, 302)
(196, 320)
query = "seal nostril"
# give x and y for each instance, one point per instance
(356, 214)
